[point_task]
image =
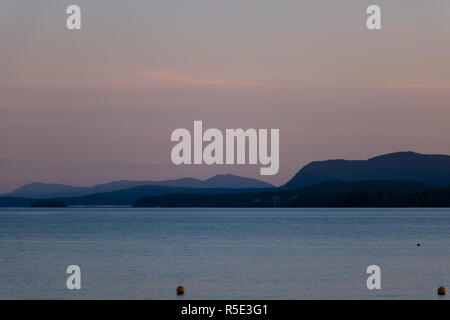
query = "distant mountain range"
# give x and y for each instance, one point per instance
(40, 190)
(400, 166)
(396, 179)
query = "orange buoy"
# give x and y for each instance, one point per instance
(180, 290)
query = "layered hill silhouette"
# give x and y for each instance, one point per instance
(127, 197)
(403, 179)
(40, 190)
(400, 166)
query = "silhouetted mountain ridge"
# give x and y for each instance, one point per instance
(400, 166)
(44, 190)
(396, 179)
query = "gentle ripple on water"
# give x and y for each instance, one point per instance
(127, 253)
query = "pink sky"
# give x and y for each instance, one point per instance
(96, 105)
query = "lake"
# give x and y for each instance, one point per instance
(127, 253)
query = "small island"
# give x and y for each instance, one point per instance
(49, 204)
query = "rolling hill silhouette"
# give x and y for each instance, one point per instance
(398, 179)
(400, 166)
(44, 190)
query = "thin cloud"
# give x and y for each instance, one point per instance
(196, 80)
(421, 86)
(129, 79)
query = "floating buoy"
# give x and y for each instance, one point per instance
(180, 290)
(442, 291)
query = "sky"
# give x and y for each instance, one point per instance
(99, 104)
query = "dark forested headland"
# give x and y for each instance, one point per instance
(333, 194)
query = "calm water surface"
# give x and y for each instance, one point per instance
(127, 253)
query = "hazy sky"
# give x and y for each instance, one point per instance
(99, 104)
